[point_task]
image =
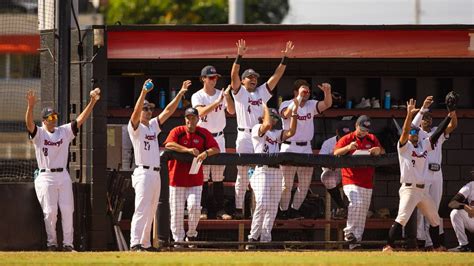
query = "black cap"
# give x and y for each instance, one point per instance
(47, 111)
(209, 71)
(148, 104)
(250, 72)
(343, 129)
(363, 122)
(191, 111)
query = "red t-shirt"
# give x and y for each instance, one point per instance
(362, 177)
(202, 140)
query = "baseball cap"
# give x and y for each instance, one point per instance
(274, 113)
(191, 111)
(209, 71)
(250, 72)
(343, 129)
(148, 104)
(427, 116)
(47, 111)
(363, 122)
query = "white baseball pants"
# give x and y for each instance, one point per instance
(243, 145)
(217, 171)
(178, 197)
(359, 203)
(266, 185)
(53, 189)
(434, 187)
(305, 175)
(147, 185)
(461, 221)
(411, 197)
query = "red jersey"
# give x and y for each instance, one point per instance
(202, 140)
(362, 177)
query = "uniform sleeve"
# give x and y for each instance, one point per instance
(255, 130)
(37, 135)
(264, 92)
(315, 108)
(376, 141)
(131, 131)
(426, 143)
(325, 148)
(466, 190)
(240, 94)
(342, 142)
(196, 100)
(71, 130)
(155, 123)
(172, 136)
(402, 149)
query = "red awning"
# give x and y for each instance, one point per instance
(380, 43)
(19, 44)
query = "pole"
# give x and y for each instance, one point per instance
(236, 12)
(64, 58)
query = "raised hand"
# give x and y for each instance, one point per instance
(325, 87)
(288, 49)
(31, 98)
(228, 90)
(411, 107)
(428, 101)
(95, 94)
(241, 47)
(184, 87)
(144, 86)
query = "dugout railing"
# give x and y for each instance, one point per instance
(161, 232)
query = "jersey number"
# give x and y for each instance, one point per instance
(413, 162)
(45, 151)
(147, 146)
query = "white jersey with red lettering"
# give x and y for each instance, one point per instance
(52, 149)
(248, 105)
(305, 122)
(214, 121)
(145, 143)
(268, 143)
(413, 161)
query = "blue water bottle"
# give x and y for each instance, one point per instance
(162, 99)
(386, 104)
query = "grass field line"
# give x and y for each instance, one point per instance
(238, 258)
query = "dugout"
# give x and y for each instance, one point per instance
(359, 61)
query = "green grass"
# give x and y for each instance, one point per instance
(239, 258)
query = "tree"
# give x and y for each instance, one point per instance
(191, 11)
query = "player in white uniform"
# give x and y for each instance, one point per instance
(434, 175)
(211, 104)
(266, 179)
(462, 215)
(53, 184)
(331, 177)
(412, 155)
(248, 106)
(143, 131)
(300, 143)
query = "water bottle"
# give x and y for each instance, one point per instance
(148, 85)
(250, 172)
(162, 99)
(387, 100)
(349, 104)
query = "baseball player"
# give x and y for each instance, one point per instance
(462, 215)
(143, 130)
(358, 182)
(300, 143)
(434, 175)
(412, 155)
(53, 184)
(211, 104)
(331, 177)
(186, 187)
(266, 179)
(248, 106)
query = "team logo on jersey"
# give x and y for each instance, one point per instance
(269, 140)
(368, 146)
(50, 143)
(196, 141)
(253, 102)
(150, 137)
(218, 108)
(185, 142)
(423, 155)
(304, 117)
